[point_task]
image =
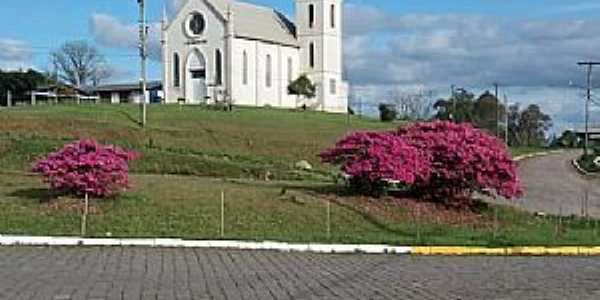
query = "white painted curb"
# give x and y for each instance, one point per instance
(180, 243)
(536, 154)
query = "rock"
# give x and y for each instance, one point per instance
(304, 165)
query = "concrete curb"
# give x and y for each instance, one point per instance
(582, 171)
(48, 241)
(180, 243)
(536, 154)
(508, 251)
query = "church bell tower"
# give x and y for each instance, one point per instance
(319, 33)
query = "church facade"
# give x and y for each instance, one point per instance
(244, 54)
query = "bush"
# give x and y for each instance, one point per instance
(463, 160)
(590, 162)
(373, 160)
(87, 167)
(387, 112)
(442, 161)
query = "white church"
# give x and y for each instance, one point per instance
(244, 54)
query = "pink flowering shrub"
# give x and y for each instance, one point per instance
(88, 167)
(374, 159)
(463, 160)
(438, 160)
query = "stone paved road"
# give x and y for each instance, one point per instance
(145, 273)
(554, 187)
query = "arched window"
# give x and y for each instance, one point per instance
(245, 68)
(311, 15)
(311, 55)
(176, 75)
(269, 71)
(218, 67)
(290, 69)
(332, 15)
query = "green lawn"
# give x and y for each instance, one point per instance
(518, 151)
(189, 207)
(182, 140)
(192, 154)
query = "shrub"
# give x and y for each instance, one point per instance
(442, 161)
(374, 159)
(463, 160)
(87, 167)
(387, 112)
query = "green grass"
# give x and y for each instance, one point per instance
(182, 140)
(587, 163)
(230, 152)
(518, 151)
(189, 207)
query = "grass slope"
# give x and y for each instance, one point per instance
(187, 140)
(230, 152)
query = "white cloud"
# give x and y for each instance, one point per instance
(15, 55)
(111, 32)
(14, 50)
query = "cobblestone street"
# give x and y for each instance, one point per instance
(146, 273)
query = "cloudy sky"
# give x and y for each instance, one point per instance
(529, 47)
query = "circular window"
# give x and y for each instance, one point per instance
(196, 24)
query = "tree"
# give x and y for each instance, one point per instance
(19, 83)
(302, 87)
(488, 112)
(568, 139)
(528, 127)
(79, 63)
(414, 106)
(458, 108)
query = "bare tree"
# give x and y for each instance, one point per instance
(415, 105)
(80, 63)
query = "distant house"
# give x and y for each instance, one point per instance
(593, 132)
(127, 93)
(60, 93)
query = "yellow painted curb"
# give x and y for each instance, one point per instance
(508, 251)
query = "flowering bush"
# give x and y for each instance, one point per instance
(463, 160)
(87, 167)
(373, 159)
(441, 160)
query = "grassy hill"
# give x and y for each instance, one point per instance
(230, 153)
(189, 140)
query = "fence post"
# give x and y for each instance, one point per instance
(32, 98)
(222, 214)
(8, 98)
(329, 219)
(84, 216)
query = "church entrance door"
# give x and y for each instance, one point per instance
(196, 92)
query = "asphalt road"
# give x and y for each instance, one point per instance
(554, 187)
(146, 273)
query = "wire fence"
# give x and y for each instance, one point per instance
(326, 215)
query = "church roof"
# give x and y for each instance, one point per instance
(262, 23)
(257, 22)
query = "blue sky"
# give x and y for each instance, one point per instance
(530, 47)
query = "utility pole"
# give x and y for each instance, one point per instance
(143, 56)
(497, 109)
(453, 96)
(590, 65)
(506, 119)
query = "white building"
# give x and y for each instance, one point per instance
(225, 50)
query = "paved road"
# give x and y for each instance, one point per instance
(553, 186)
(145, 273)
